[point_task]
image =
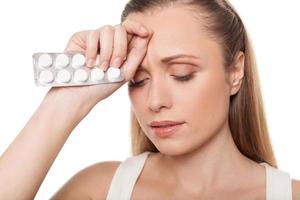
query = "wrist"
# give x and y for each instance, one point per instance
(66, 101)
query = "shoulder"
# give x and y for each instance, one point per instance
(296, 189)
(91, 182)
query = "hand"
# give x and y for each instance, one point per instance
(123, 45)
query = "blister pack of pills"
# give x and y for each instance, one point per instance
(69, 69)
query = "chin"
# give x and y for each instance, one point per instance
(173, 149)
(179, 148)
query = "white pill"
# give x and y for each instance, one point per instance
(97, 74)
(78, 60)
(44, 60)
(80, 75)
(61, 60)
(46, 76)
(63, 76)
(113, 73)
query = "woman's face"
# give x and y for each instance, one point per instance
(201, 102)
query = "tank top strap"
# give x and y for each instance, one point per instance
(125, 177)
(278, 184)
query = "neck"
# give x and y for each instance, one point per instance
(215, 164)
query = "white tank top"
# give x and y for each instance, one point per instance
(278, 183)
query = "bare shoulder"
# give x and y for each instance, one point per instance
(296, 189)
(91, 182)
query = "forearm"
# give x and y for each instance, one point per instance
(24, 165)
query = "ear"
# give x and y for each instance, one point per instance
(237, 73)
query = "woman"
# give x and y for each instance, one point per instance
(198, 126)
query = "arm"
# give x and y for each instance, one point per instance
(26, 162)
(24, 165)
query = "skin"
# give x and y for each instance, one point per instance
(199, 162)
(200, 159)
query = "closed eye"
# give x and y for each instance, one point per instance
(141, 83)
(184, 78)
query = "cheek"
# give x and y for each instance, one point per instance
(205, 104)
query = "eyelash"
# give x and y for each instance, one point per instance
(182, 79)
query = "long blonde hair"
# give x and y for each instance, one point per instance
(247, 120)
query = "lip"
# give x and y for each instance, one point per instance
(164, 123)
(165, 128)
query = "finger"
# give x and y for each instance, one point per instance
(134, 27)
(73, 48)
(120, 46)
(77, 41)
(129, 37)
(106, 46)
(135, 56)
(92, 43)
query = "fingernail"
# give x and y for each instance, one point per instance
(90, 62)
(104, 64)
(116, 62)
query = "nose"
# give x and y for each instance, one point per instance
(159, 96)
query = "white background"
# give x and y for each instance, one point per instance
(34, 26)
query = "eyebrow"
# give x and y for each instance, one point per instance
(170, 58)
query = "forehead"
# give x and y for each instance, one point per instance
(176, 30)
(171, 25)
